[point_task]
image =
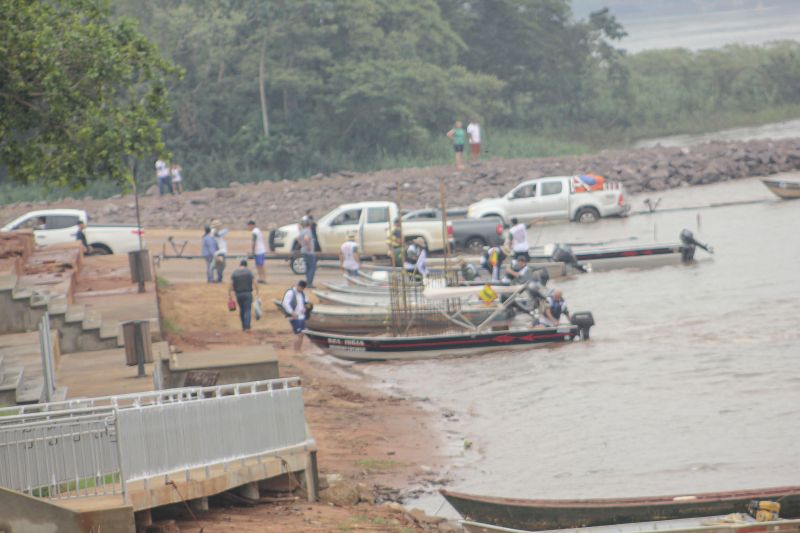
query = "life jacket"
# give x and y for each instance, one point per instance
(557, 307)
(393, 237)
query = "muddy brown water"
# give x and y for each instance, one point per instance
(690, 383)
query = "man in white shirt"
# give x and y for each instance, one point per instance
(258, 250)
(349, 258)
(294, 305)
(162, 173)
(474, 133)
(519, 239)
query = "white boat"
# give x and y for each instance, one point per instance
(787, 189)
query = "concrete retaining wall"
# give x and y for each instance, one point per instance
(23, 514)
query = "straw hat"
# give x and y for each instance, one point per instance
(216, 223)
(419, 241)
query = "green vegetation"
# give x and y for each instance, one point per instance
(162, 283)
(81, 484)
(378, 465)
(279, 89)
(80, 95)
(168, 326)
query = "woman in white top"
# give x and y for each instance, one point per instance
(177, 179)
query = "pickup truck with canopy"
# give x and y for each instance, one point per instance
(585, 198)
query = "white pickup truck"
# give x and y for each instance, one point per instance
(557, 197)
(56, 226)
(370, 220)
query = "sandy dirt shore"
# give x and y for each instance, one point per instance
(373, 447)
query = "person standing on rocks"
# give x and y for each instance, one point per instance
(307, 249)
(243, 285)
(458, 136)
(208, 249)
(474, 133)
(177, 179)
(258, 250)
(162, 174)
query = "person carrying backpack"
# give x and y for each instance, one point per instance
(296, 309)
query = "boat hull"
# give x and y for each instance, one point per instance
(538, 515)
(353, 348)
(348, 319)
(788, 190)
(706, 524)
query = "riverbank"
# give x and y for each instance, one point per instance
(273, 204)
(374, 449)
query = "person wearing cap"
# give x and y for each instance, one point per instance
(243, 285)
(208, 248)
(416, 257)
(307, 247)
(259, 250)
(520, 272)
(296, 309)
(349, 258)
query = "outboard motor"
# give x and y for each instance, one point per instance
(689, 244)
(564, 254)
(469, 271)
(540, 276)
(584, 320)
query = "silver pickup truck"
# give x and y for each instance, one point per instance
(579, 198)
(470, 235)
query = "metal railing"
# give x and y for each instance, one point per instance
(48, 363)
(98, 445)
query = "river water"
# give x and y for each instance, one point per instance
(691, 381)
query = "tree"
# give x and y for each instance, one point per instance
(81, 93)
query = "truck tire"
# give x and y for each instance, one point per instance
(298, 265)
(474, 244)
(587, 215)
(100, 249)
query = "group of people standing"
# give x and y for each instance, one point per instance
(169, 178)
(460, 136)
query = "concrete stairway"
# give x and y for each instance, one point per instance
(21, 379)
(23, 308)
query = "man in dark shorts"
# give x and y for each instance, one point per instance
(81, 236)
(294, 306)
(459, 137)
(242, 285)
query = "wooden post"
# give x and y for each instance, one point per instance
(445, 244)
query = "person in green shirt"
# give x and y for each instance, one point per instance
(459, 137)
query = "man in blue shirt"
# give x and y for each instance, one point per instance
(209, 248)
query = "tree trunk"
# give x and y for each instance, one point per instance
(261, 87)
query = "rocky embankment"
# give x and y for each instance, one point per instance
(276, 203)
